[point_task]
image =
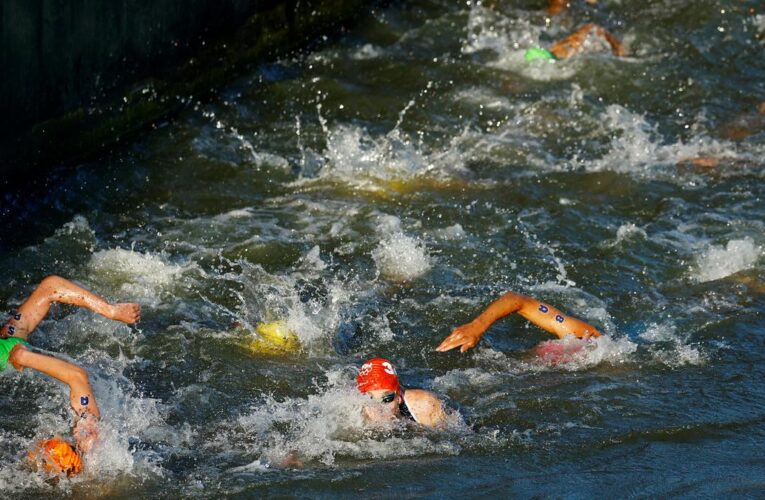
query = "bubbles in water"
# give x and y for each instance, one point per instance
(721, 261)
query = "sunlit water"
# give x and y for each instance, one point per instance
(377, 192)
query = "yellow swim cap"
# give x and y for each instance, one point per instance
(274, 338)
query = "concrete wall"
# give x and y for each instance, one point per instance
(68, 66)
(59, 54)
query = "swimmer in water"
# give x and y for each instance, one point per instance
(543, 315)
(378, 380)
(16, 331)
(736, 130)
(575, 43)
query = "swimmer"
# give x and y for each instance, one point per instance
(736, 130)
(575, 44)
(378, 380)
(543, 315)
(16, 331)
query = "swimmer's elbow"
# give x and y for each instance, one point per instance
(77, 376)
(49, 285)
(51, 281)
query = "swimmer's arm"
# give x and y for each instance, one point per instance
(554, 321)
(56, 289)
(572, 44)
(80, 393)
(426, 407)
(617, 48)
(542, 315)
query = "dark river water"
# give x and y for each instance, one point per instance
(376, 192)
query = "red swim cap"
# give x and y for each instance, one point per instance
(376, 374)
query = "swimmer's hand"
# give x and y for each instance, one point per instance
(465, 337)
(127, 312)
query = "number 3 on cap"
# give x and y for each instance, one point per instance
(389, 368)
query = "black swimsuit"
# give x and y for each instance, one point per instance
(404, 410)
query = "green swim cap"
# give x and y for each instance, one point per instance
(538, 53)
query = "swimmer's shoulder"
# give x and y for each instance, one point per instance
(426, 407)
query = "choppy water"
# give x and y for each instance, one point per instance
(379, 191)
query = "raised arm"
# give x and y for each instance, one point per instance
(56, 289)
(543, 315)
(573, 43)
(80, 393)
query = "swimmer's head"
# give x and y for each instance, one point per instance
(378, 380)
(378, 374)
(56, 456)
(535, 53)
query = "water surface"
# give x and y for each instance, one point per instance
(378, 191)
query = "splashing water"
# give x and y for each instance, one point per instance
(401, 258)
(721, 261)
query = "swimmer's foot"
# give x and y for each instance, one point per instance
(127, 312)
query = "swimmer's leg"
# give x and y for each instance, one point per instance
(56, 289)
(80, 393)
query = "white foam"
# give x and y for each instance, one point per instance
(628, 232)
(672, 348)
(312, 260)
(509, 38)
(604, 349)
(455, 232)
(273, 297)
(759, 22)
(381, 163)
(469, 380)
(721, 261)
(636, 145)
(401, 258)
(367, 51)
(78, 226)
(125, 417)
(656, 332)
(329, 425)
(138, 276)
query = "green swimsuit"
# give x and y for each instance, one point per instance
(6, 347)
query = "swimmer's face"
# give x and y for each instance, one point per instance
(383, 407)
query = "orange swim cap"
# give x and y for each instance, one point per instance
(57, 456)
(376, 374)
